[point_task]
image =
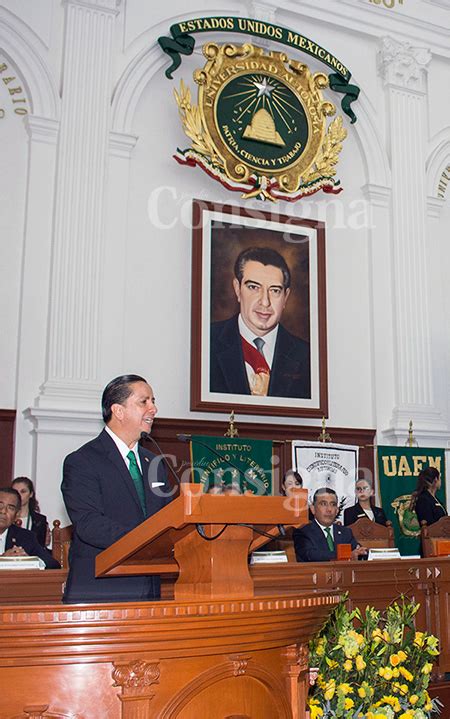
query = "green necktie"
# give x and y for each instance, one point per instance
(136, 476)
(330, 541)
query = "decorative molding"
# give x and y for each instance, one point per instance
(130, 86)
(377, 195)
(239, 663)
(402, 65)
(223, 671)
(435, 205)
(64, 422)
(438, 164)
(110, 6)
(135, 677)
(19, 42)
(122, 144)
(430, 428)
(42, 129)
(39, 711)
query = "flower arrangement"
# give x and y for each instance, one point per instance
(372, 666)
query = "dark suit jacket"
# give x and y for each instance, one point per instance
(311, 545)
(27, 539)
(103, 505)
(39, 527)
(352, 514)
(428, 508)
(290, 375)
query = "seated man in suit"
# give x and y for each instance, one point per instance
(110, 485)
(316, 541)
(15, 541)
(252, 353)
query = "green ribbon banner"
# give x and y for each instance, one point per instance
(398, 469)
(241, 464)
(181, 43)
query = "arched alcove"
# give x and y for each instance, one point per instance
(437, 160)
(27, 52)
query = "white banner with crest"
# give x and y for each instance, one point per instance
(329, 465)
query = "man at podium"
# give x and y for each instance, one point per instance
(110, 485)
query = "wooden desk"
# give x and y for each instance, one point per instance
(232, 659)
(32, 586)
(377, 583)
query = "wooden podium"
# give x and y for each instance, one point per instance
(212, 566)
(216, 652)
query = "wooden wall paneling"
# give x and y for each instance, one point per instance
(7, 430)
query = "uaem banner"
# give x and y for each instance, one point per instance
(327, 465)
(398, 469)
(239, 464)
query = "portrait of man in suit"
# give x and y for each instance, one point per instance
(252, 352)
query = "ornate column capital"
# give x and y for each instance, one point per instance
(402, 65)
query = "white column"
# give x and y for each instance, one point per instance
(67, 411)
(403, 69)
(34, 298)
(72, 373)
(381, 302)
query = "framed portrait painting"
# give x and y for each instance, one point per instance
(258, 332)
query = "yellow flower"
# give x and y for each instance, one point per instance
(331, 663)
(387, 674)
(394, 660)
(395, 673)
(320, 649)
(428, 706)
(409, 714)
(401, 655)
(419, 639)
(330, 688)
(315, 712)
(360, 663)
(362, 692)
(413, 699)
(348, 703)
(427, 667)
(348, 665)
(345, 688)
(406, 674)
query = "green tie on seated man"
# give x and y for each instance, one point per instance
(317, 541)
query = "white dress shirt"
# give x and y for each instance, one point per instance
(124, 449)
(3, 537)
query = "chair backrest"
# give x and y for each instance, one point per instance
(61, 539)
(373, 535)
(434, 534)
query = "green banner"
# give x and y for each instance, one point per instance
(239, 464)
(181, 43)
(398, 469)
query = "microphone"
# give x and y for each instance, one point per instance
(189, 438)
(147, 436)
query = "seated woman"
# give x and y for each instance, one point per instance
(365, 506)
(423, 500)
(291, 480)
(29, 511)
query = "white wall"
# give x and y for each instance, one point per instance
(141, 318)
